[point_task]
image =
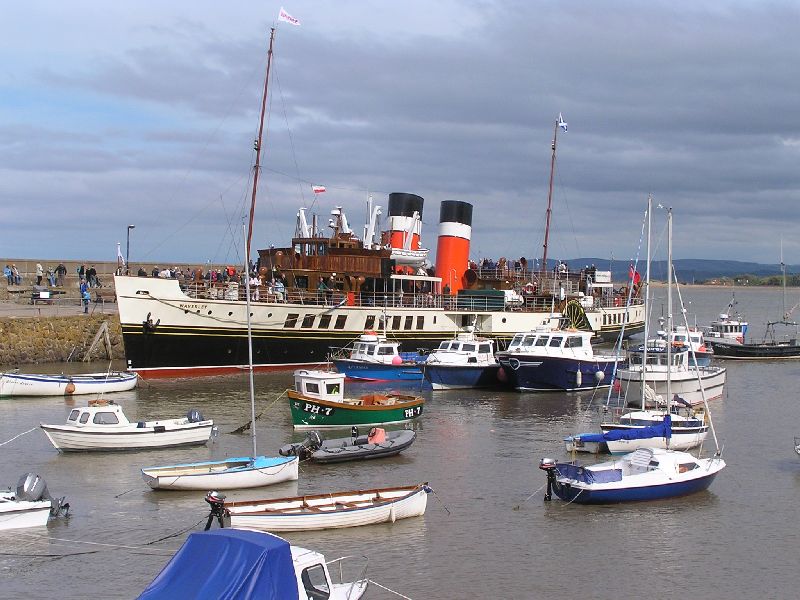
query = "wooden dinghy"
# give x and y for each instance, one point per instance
(329, 511)
(30, 384)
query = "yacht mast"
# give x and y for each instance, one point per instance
(257, 148)
(550, 195)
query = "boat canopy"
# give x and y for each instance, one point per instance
(588, 476)
(227, 564)
(661, 430)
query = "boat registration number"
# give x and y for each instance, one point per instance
(410, 413)
(315, 409)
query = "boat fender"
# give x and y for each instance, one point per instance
(502, 376)
(599, 376)
(578, 378)
(70, 389)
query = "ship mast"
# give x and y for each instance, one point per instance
(257, 148)
(550, 196)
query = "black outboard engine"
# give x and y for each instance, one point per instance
(216, 501)
(194, 416)
(303, 450)
(548, 465)
(32, 488)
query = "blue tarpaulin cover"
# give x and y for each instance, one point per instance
(663, 429)
(227, 564)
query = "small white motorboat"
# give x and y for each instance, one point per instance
(30, 505)
(30, 384)
(227, 474)
(103, 426)
(329, 511)
(229, 563)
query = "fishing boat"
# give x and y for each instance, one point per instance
(556, 360)
(32, 384)
(693, 338)
(102, 425)
(379, 443)
(375, 358)
(240, 472)
(330, 511)
(198, 327)
(318, 402)
(645, 474)
(30, 505)
(467, 361)
(729, 328)
(773, 346)
(232, 563)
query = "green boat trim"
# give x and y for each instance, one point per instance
(315, 413)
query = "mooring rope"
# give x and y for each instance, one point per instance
(249, 424)
(518, 506)
(383, 587)
(18, 435)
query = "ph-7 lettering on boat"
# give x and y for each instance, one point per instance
(318, 410)
(409, 413)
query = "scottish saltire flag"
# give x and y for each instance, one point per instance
(317, 189)
(561, 122)
(286, 17)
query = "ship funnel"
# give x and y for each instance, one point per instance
(452, 251)
(404, 225)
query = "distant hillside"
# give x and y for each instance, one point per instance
(689, 270)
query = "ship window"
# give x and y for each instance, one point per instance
(542, 341)
(385, 351)
(73, 415)
(308, 321)
(332, 388)
(312, 388)
(396, 322)
(324, 322)
(409, 322)
(420, 322)
(442, 346)
(469, 348)
(105, 418)
(84, 417)
(315, 583)
(485, 348)
(291, 320)
(555, 341)
(340, 321)
(684, 467)
(574, 341)
(370, 322)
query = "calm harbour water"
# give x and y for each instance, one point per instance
(479, 450)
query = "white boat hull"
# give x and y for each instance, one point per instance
(411, 506)
(16, 514)
(221, 475)
(678, 441)
(67, 438)
(21, 384)
(683, 383)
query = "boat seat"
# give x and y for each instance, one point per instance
(641, 458)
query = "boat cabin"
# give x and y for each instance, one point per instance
(728, 328)
(98, 412)
(657, 357)
(464, 348)
(552, 342)
(324, 385)
(313, 579)
(693, 338)
(371, 347)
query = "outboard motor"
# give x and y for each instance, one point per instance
(303, 450)
(33, 488)
(194, 416)
(216, 501)
(548, 465)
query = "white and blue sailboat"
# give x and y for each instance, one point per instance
(240, 472)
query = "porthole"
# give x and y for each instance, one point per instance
(230, 314)
(209, 312)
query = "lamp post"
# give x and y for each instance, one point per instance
(128, 251)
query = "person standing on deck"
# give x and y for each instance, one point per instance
(61, 272)
(39, 273)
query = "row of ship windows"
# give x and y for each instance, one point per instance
(397, 322)
(615, 318)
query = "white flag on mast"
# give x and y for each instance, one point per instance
(120, 259)
(561, 122)
(286, 17)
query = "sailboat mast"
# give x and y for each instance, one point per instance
(550, 197)
(246, 275)
(646, 297)
(783, 272)
(669, 313)
(257, 148)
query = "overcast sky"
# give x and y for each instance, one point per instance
(145, 113)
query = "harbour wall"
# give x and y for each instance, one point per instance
(32, 340)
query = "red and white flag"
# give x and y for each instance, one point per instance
(318, 189)
(286, 17)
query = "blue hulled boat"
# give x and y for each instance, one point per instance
(546, 359)
(374, 358)
(464, 362)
